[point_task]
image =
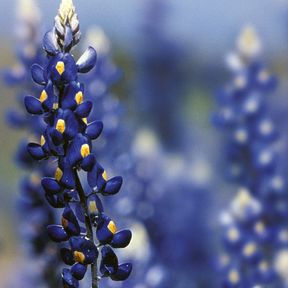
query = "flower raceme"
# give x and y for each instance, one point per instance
(68, 137)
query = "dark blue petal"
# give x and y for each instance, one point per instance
(68, 280)
(78, 271)
(88, 162)
(50, 43)
(67, 256)
(56, 137)
(121, 239)
(94, 129)
(57, 233)
(84, 247)
(84, 109)
(109, 261)
(70, 98)
(123, 272)
(74, 149)
(37, 73)
(87, 61)
(113, 186)
(33, 105)
(68, 179)
(70, 223)
(71, 124)
(50, 185)
(36, 151)
(55, 200)
(106, 230)
(48, 97)
(95, 177)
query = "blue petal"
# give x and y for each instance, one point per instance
(71, 124)
(37, 73)
(78, 270)
(33, 105)
(67, 256)
(94, 129)
(67, 179)
(86, 247)
(50, 43)
(123, 272)
(56, 136)
(87, 61)
(55, 200)
(36, 151)
(109, 261)
(68, 101)
(48, 103)
(70, 223)
(57, 233)
(84, 109)
(95, 179)
(68, 280)
(103, 233)
(50, 185)
(88, 162)
(113, 186)
(121, 239)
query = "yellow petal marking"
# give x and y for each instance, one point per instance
(79, 97)
(112, 227)
(93, 207)
(85, 150)
(64, 222)
(79, 257)
(42, 140)
(43, 96)
(85, 120)
(105, 176)
(60, 67)
(58, 174)
(60, 126)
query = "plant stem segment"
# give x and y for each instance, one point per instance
(88, 225)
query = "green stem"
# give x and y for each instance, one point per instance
(88, 225)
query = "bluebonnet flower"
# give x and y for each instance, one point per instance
(68, 139)
(256, 222)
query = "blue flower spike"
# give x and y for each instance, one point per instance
(67, 137)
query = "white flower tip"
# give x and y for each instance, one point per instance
(248, 43)
(66, 10)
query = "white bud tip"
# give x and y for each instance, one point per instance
(66, 7)
(248, 43)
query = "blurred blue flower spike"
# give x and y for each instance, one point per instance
(34, 212)
(255, 224)
(160, 76)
